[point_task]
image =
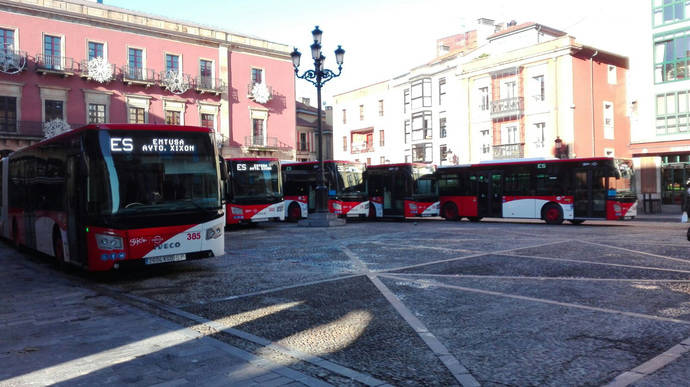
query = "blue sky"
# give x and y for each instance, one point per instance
(384, 38)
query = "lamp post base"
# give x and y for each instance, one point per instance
(321, 219)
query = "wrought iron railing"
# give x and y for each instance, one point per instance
(55, 63)
(12, 61)
(265, 142)
(138, 74)
(27, 129)
(509, 151)
(209, 84)
(507, 107)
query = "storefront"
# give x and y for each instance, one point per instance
(675, 172)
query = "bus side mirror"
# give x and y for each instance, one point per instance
(223, 169)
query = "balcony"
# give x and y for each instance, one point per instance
(509, 151)
(12, 61)
(507, 107)
(97, 69)
(133, 75)
(205, 84)
(58, 65)
(265, 143)
(175, 82)
(259, 92)
(28, 130)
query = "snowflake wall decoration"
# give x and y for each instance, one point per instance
(99, 70)
(11, 62)
(175, 82)
(55, 127)
(260, 93)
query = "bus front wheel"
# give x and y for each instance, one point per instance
(450, 211)
(294, 212)
(552, 214)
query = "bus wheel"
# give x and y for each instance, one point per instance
(450, 211)
(552, 214)
(372, 211)
(576, 221)
(58, 249)
(294, 212)
(475, 219)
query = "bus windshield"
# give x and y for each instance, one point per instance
(255, 179)
(350, 178)
(139, 172)
(624, 183)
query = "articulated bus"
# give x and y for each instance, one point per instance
(347, 195)
(402, 190)
(553, 190)
(254, 190)
(106, 196)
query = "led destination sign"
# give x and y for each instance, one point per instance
(254, 167)
(154, 145)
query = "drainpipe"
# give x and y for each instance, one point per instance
(591, 91)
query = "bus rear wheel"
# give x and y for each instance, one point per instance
(58, 250)
(450, 212)
(372, 211)
(552, 214)
(294, 212)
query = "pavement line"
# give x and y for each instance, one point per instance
(459, 372)
(649, 367)
(268, 291)
(469, 256)
(638, 252)
(268, 344)
(408, 247)
(539, 300)
(518, 277)
(596, 263)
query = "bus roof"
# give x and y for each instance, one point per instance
(289, 162)
(251, 159)
(526, 162)
(400, 165)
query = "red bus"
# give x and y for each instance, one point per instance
(347, 195)
(402, 190)
(106, 196)
(254, 190)
(553, 190)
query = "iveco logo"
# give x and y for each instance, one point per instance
(157, 240)
(171, 245)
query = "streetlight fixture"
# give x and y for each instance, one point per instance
(318, 77)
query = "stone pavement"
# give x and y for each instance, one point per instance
(55, 331)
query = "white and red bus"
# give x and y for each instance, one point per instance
(347, 195)
(110, 195)
(254, 190)
(402, 190)
(553, 190)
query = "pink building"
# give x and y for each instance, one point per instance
(83, 62)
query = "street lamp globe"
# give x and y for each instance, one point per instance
(315, 51)
(339, 55)
(295, 55)
(317, 33)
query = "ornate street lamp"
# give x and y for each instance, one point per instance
(318, 76)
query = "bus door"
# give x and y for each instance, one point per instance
(490, 194)
(75, 209)
(394, 192)
(591, 188)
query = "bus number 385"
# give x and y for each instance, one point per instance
(193, 236)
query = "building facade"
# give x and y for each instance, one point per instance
(307, 148)
(76, 62)
(525, 91)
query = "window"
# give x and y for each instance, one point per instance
(608, 120)
(137, 115)
(206, 73)
(608, 152)
(52, 52)
(421, 93)
(442, 125)
(172, 63)
(509, 135)
(172, 117)
(671, 52)
(368, 160)
(303, 142)
(96, 113)
(406, 100)
(96, 50)
(669, 11)
(380, 108)
(382, 139)
(53, 110)
(6, 39)
(484, 97)
(486, 149)
(539, 135)
(441, 90)
(421, 153)
(362, 141)
(382, 160)
(538, 88)
(344, 143)
(672, 113)
(258, 131)
(421, 126)
(508, 89)
(136, 63)
(208, 120)
(257, 76)
(611, 74)
(444, 152)
(361, 112)
(344, 116)
(407, 131)
(8, 114)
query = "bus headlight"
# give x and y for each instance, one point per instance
(337, 206)
(413, 207)
(108, 242)
(214, 232)
(236, 210)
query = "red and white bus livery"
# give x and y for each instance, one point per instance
(254, 190)
(553, 190)
(402, 190)
(344, 180)
(109, 195)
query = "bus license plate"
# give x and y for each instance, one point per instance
(165, 258)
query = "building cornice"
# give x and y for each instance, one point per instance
(101, 15)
